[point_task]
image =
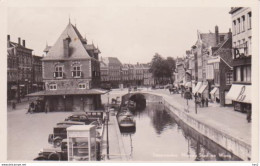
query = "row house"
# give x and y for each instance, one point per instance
(182, 73)
(113, 67)
(240, 92)
(19, 69)
(71, 74)
(148, 76)
(220, 71)
(205, 46)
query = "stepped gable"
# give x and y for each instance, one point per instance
(76, 46)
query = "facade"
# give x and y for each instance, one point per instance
(19, 69)
(71, 74)
(114, 70)
(205, 46)
(37, 82)
(220, 71)
(240, 92)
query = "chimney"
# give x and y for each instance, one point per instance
(217, 35)
(19, 40)
(8, 41)
(229, 33)
(66, 42)
(24, 43)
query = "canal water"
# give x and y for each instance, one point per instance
(160, 136)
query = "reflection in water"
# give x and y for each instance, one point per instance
(160, 136)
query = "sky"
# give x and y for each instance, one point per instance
(133, 33)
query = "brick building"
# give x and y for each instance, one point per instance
(240, 92)
(220, 71)
(71, 74)
(19, 69)
(37, 82)
(206, 45)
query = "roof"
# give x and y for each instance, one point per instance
(225, 52)
(111, 60)
(68, 92)
(10, 51)
(234, 9)
(47, 48)
(19, 46)
(76, 46)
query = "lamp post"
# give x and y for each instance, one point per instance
(107, 119)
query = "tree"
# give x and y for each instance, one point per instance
(162, 69)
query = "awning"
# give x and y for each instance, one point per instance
(197, 87)
(188, 84)
(202, 88)
(34, 85)
(68, 92)
(240, 93)
(213, 91)
(22, 85)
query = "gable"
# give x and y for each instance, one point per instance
(76, 48)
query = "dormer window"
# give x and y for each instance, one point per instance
(76, 72)
(58, 72)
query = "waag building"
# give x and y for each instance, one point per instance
(71, 74)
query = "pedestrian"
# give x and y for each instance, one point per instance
(47, 108)
(249, 113)
(207, 102)
(13, 105)
(202, 101)
(31, 108)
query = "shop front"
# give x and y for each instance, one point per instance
(241, 97)
(215, 94)
(197, 87)
(67, 100)
(203, 92)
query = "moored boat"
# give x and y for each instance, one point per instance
(125, 118)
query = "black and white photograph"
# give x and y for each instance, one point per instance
(130, 81)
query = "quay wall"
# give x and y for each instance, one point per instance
(228, 142)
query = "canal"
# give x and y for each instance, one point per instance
(161, 136)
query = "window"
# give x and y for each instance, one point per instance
(234, 27)
(243, 24)
(82, 85)
(53, 86)
(229, 78)
(238, 74)
(222, 38)
(247, 74)
(249, 15)
(249, 45)
(76, 72)
(58, 72)
(238, 25)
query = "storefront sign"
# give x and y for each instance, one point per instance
(241, 95)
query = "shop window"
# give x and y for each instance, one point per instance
(247, 74)
(238, 73)
(53, 86)
(76, 72)
(229, 78)
(58, 72)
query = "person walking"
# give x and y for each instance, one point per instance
(207, 102)
(13, 105)
(31, 108)
(202, 101)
